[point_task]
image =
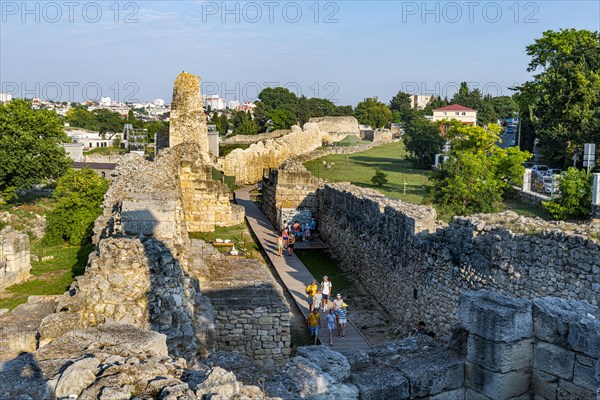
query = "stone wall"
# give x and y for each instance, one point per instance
(548, 348)
(290, 187)
(251, 314)
(249, 164)
(139, 282)
(400, 252)
(337, 128)
(249, 139)
(379, 135)
(14, 257)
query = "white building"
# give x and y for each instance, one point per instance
(5, 97)
(233, 104)
(159, 103)
(248, 106)
(105, 101)
(215, 102)
(90, 139)
(463, 114)
(420, 101)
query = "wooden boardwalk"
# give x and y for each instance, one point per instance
(294, 274)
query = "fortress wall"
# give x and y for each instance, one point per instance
(417, 267)
(248, 165)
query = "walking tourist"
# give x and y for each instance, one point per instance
(306, 232)
(311, 291)
(313, 227)
(291, 241)
(326, 285)
(343, 318)
(337, 306)
(331, 325)
(284, 235)
(280, 245)
(297, 230)
(314, 323)
(316, 302)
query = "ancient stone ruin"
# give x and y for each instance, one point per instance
(158, 315)
(188, 121)
(14, 257)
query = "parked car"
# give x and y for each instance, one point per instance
(541, 170)
(528, 165)
(555, 171)
(551, 183)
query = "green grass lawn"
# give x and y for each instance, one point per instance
(319, 263)
(106, 151)
(238, 234)
(48, 277)
(359, 168)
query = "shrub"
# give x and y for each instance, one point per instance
(575, 196)
(80, 195)
(380, 178)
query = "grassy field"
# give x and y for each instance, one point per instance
(358, 169)
(49, 277)
(239, 235)
(53, 276)
(106, 151)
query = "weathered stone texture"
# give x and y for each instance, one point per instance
(188, 121)
(141, 283)
(336, 128)
(251, 314)
(14, 257)
(248, 165)
(289, 187)
(400, 251)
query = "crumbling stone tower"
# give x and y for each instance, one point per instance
(188, 121)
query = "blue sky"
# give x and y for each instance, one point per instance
(342, 50)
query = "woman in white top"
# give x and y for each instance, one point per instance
(326, 286)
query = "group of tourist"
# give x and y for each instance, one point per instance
(336, 313)
(293, 233)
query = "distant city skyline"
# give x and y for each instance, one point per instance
(344, 51)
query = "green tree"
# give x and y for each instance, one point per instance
(224, 125)
(243, 124)
(272, 99)
(565, 92)
(423, 141)
(504, 106)
(478, 171)
(401, 107)
(372, 112)
(108, 121)
(380, 178)
(575, 196)
(80, 195)
(216, 121)
(29, 147)
(82, 118)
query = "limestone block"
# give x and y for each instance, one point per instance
(584, 373)
(496, 385)
(544, 385)
(332, 362)
(383, 385)
(554, 360)
(552, 316)
(77, 377)
(584, 335)
(457, 394)
(496, 317)
(567, 390)
(499, 357)
(431, 375)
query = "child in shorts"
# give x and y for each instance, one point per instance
(331, 325)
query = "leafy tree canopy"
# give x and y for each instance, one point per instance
(575, 195)
(478, 171)
(372, 112)
(564, 96)
(423, 141)
(80, 195)
(29, 147)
